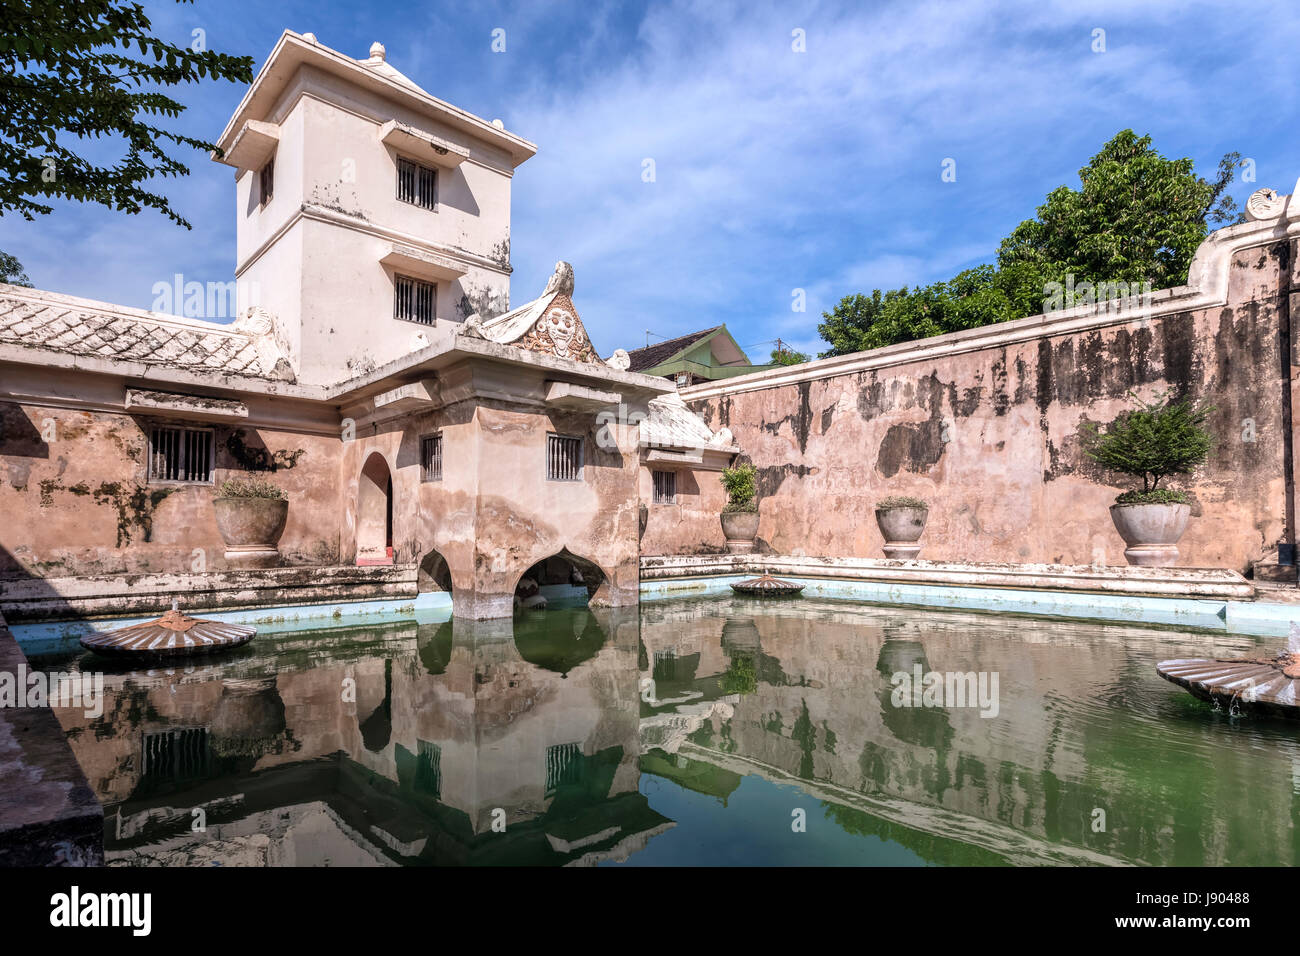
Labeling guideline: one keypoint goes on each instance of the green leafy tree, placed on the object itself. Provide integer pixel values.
(71, 72)
(741, 484)
(1153, 441)
(12, 272)
(1137, 217)
(784, 356)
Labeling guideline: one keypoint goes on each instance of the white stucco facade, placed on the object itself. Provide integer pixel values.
(321, 254)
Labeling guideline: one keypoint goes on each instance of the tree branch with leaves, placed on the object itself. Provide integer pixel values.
(75, 72)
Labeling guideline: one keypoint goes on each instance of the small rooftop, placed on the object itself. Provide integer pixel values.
(660, 352)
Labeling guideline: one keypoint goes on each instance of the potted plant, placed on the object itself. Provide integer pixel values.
(251, 513)
(901, 520)
(1153, 441)
(740, 516)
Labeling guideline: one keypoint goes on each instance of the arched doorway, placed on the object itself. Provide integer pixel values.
(375, 512)
(563, 580)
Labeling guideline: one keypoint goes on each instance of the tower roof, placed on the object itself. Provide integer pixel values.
(373, 73)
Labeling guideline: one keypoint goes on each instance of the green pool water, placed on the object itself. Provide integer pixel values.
(709, 731)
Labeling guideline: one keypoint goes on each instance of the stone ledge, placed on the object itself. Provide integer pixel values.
(1212, 583)
(51, 599)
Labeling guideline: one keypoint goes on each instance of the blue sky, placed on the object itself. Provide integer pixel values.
(775, 170)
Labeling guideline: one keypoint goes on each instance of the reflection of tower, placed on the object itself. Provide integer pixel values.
(540, 755)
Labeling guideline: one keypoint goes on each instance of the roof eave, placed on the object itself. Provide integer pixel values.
(271, 80)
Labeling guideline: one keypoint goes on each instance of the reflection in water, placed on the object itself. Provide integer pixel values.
(678, 734)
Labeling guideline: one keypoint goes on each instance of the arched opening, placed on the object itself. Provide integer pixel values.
(563, 580)
(434, 574)
(375, 512)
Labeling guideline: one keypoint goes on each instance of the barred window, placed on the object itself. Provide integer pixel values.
(665, 665)
(428, 769)
(563, 458)
(563, 766)
(431, 457)
(175, 754)
(266, 182)
(415, 184)
(665, 487)
(180, 454)
(415, 301)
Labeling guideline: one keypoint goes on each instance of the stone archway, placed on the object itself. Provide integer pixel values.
(375, 512)
(562, 568)
(434, 574)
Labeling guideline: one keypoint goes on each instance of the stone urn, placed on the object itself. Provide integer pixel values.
(251, 529)
(1151, 532)
(901, 526)
(740, 529)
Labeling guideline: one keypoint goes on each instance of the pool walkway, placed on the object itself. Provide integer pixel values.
(46, 614)
(1211, 599)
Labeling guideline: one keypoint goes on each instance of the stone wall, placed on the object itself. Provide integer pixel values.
(985, 425)
(76, 500)
(692, 517)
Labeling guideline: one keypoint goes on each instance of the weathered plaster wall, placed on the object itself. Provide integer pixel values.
(493, 514)
(990, 438)
(75, 499)
(692, 517)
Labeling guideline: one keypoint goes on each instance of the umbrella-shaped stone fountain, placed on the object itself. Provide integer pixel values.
(1264, 684)
(767, 586)
(175, 634)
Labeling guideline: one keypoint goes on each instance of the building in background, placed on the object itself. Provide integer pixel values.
(704, 356)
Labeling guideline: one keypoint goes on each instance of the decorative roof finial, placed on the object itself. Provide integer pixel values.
(377, 51)
(561, 280)
(1264, 204)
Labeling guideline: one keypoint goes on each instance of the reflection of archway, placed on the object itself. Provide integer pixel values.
(375, 512)
(562, 576)
(559, 641)
(434, 574)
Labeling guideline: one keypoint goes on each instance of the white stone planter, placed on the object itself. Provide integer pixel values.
(740, 528)
(1151, 532)
(901, 528)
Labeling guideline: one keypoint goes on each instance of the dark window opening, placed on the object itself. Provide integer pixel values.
(388, 519)
(665, 483)
(417, 184)
(180, 454)
(563, 458)
(431, 457)
(266, 182)
(415, 300)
